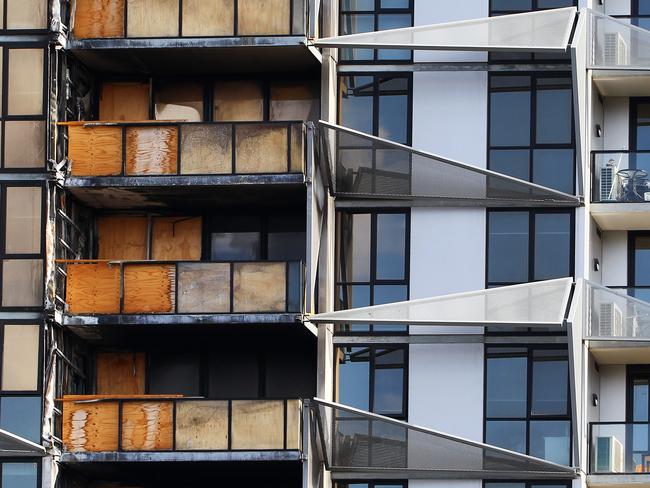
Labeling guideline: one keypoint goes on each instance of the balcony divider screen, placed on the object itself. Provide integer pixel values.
(542, 31)
(363, 166)
(373, 446)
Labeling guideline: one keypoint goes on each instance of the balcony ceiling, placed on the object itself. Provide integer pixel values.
(622, 84)
(542, 31)
(621, 216)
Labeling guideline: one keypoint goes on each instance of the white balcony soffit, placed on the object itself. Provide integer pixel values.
(539, 304)
(12, 445)
(360, 444)
(542, 31)
(363, 166)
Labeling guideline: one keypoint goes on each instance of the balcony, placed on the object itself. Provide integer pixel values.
(619, 454)
(230, 29)
(621, 189)
(172, 428)
(126, 292)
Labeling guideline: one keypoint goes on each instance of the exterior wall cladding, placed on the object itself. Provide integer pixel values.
(223, 222)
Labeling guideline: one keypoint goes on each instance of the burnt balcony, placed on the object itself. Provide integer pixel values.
(620, 192)
(116, 292)
(175, 428)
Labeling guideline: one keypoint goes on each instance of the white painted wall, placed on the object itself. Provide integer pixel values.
(617, 123)
(593, 387)
(614, 262)
(439, 11)
(446, 388)
(612, 393)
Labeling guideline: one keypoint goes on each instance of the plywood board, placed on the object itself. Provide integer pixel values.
(25, 82)
(90, 427)
(124, 101)
(122, 238)
(152, 18)
(93, 288)
(179, 101)
(261, 148)
(120, 373)
(95, 151)
(293, 100)
(98, 19)
(204, 288)
(24, 144)
(298, 148)
(176, 238)
(208, 18)
(147, 426)
(294, 420)
(201, 425)
(151, 150)
(23, 219)
(237, 101)
(263, 17)
(20, 357)
(22, 283)
(257, 424)
(149, 288)
(27, 14)
(206, 149)
(259, 287)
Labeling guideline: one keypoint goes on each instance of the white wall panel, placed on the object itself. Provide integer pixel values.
(614, 262)
(617, 123)
(612, 393)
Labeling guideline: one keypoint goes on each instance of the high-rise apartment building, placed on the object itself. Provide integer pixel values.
(325, 243)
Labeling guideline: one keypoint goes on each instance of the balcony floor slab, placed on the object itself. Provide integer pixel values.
(177, 456)
(618, 480)
(621, 216)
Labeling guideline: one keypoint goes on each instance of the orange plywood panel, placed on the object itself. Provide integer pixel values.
(149, 288)
(147, 426)
(151, 150)
(93, 288)
(98, 19)
(90, 427)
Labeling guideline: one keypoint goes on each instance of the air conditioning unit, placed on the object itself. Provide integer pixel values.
(609, 456)
(615, 52)
(610, 321)
(607, 176)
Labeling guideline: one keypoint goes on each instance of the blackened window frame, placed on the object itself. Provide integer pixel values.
(340, 285)
(532, 143)
(372, 367)
(534, 8)
(376, 12)
(529, 392)
(532, 213)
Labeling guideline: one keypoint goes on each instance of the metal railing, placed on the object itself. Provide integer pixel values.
(100, 287)
(638, 292)
(619, 448)
(620, 176)
(108, 423)
(160, 148)
(615, 315)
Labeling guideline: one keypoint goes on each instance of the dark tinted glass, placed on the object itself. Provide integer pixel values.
(389, 391)
(391, 246)
(550, 440)
(642, 6)
(508, 247)
(356, 102)
(506, 386)
(233, 374)
(354, 244)
(394, 3)
(550, 383)
(289, 375)
(642, 124)
(236, 246)
(393, 109)
(19, 475)
(554, 3)
(641, 401)
(554, 112)
(393, 21)
(286, 246)
(517, 5)
(174, 374)
(354, 377)
(354, 24)
(552, 246)
(507, 434)
(642, 260)
(356, 5)
(510, 118)
(553, 168)
(21, 416)
(511, 162)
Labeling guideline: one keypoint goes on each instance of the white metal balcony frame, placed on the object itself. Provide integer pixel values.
(12, 445)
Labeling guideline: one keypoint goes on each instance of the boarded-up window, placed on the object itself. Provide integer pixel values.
(238, 101)
(25, 144)
(27, 14)
(98, 18)
(23, 220)
(120, 373)
(263, 17)
(208, 18)
(176, 239)
(22, 283)
(293, 101)
(25, 88)
(124, 101)
(20, 357)
(122, 238)
(179, 101)
(152, 18)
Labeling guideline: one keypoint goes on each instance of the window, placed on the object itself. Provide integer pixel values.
(20, 474)
(372, 262)
(527, 406)
(23, 116)
(179, 101)
(20, 400)
(529, 245)
(531, 133)
(22, 249)
(377, 104)
(371, 484)
(641, 13)
(373, 15)
(639, 265)
(372, 378)
(529, 484)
